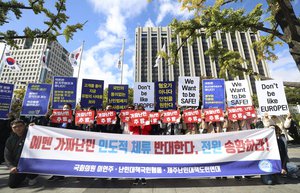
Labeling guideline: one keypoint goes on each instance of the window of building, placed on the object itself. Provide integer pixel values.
(196, 59)
(206, 57)
(186, 62)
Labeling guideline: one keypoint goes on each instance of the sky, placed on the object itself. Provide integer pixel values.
(110, 21)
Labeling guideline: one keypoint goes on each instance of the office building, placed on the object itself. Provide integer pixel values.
(192, 61)
(29, 56)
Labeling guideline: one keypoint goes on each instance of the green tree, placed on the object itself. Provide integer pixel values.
(53, 24)
(130, 96)
(284, 28)
(255, 100)
(292, 95)
(105, 97)
(17, 102)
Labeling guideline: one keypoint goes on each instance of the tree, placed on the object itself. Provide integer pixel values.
(53, 23)
(292, 95)
(17, 102)
(105, 97)
(284, 28)
(130, 96)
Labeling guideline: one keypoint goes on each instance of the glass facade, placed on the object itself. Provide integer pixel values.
(190, 56)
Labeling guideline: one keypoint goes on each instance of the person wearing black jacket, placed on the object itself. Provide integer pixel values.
(12, 154)
(291, 126)
(5, 131)
(113, 127)
(67, 106)
(275, 178)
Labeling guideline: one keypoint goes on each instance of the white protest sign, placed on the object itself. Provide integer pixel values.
(238, 93)
(188, 91)
(271, 97)
(144, 94)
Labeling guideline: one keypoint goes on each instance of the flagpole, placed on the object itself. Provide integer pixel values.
(160, 66)
(164, 49)
(123, 50)
(80, 60)
(44, 66)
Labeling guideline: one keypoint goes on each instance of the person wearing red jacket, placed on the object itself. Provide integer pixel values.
(140, 130)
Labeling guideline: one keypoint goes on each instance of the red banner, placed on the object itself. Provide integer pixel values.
(241, 113)
(213, 115)
(154, 118)
(125, 115)
(139, 118)
(84, 117)
(236, 113)
(192, 116)
(106, 117)
(61, 116)
(250, 111)
(171, 116)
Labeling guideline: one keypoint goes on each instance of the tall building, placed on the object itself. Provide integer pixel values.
(192, 60)
(29, 55)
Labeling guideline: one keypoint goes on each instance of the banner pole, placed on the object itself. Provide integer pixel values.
(122, 60)
(78, 73)
(80, 60)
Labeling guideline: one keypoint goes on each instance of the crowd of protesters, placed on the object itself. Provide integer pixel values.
(13, 133)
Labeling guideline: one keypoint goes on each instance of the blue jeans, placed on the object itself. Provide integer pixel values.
(292, 168)
(270, 179)
(267, 179)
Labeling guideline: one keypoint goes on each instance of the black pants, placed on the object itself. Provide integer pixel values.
(4, 134)
(15, 179)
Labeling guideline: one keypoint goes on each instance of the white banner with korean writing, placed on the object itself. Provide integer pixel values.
(58, 151)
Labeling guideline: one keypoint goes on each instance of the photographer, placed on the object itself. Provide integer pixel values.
(291, 126)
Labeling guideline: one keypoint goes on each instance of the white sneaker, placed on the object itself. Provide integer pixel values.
(32, 182)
